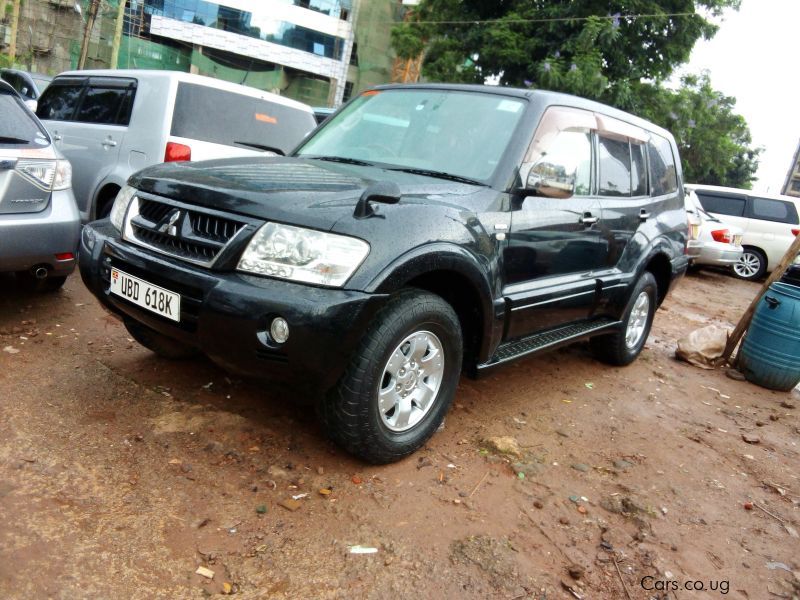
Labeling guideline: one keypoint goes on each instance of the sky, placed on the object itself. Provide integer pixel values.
(755, 57)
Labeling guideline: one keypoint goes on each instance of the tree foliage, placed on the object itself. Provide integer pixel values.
(619, 52)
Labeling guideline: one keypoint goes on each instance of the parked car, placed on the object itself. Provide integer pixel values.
(28, 85)
(39, 222)
(390, 250)
(770, 224)
(711, 241)
(110, 124)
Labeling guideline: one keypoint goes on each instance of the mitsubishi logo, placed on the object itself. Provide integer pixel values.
(167, 224)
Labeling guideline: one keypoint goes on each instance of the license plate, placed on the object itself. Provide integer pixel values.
(153, 298)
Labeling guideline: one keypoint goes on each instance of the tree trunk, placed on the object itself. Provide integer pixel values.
(87, 32)
(118, 34)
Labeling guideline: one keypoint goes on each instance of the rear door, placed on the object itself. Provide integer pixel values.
(637, 181)
(88, 118)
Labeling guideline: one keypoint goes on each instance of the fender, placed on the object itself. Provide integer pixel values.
(478, 271)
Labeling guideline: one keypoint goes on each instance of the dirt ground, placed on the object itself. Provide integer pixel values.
(121, 474)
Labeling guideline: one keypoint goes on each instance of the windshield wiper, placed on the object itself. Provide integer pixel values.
(261, 147)
(437, 174)
(342, 159)
(12, 140)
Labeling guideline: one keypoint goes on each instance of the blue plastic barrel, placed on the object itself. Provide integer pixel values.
(770, 355)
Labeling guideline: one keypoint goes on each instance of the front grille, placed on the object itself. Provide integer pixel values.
(191, 234)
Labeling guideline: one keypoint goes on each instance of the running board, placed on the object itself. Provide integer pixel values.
(537, 342)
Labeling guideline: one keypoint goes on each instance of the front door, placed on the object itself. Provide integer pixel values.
(554, 244)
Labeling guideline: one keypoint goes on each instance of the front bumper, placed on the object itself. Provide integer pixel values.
(227, 314)
(29, 240)
(717, 254)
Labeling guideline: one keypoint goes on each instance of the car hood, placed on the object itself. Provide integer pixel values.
(306, 192)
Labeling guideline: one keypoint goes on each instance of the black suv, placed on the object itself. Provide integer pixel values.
(420, 231)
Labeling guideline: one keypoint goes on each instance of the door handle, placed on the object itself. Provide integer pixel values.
(589, 219)
(57, 137)
(644, 215)
(109, 143)
(772, 302)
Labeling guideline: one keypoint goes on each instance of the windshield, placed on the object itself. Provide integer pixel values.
(457, 133)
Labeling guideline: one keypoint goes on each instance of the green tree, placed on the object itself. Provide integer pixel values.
(619, 52)
(713, 140)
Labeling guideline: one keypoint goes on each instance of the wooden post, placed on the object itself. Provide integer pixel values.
(87, 32)
(118, 34)
(12, 45)
(744, 322)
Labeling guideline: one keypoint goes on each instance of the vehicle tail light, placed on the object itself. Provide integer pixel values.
(722, 235)
(65, 256)
(177, 152)
(795, 231)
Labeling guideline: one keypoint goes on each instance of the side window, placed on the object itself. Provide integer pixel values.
(614, 173)
(638, 170)
(663, 173)
(104, 105)
(561, 151)
(58, 103)
(774, 210)
(732, 206)
(566, 158)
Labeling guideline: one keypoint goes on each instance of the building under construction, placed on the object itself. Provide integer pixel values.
(316, 51)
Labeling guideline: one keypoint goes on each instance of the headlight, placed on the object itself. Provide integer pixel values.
(63, 177)
(303, 255)
(121, 203)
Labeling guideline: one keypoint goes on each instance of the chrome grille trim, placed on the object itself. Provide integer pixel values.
(188, 233)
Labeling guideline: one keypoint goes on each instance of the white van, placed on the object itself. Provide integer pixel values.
(770, 224)
(111, 123)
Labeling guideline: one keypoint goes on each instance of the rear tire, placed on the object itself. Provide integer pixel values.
(752, 265)
(623, 346)
(400, 382)
(159, 344)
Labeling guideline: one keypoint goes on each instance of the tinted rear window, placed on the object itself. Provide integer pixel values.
(615, 167)
(17, 127)
(663, 173)
(774, 210)
(222, 117)
(732, 206)
(110, 106)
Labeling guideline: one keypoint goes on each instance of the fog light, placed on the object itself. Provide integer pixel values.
(89, 238)
(279, 330)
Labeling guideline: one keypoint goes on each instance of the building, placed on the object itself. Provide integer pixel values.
(792, 185)
(316, 51)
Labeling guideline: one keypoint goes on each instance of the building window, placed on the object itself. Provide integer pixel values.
(348, 91)
(255, 24)
(796, 185)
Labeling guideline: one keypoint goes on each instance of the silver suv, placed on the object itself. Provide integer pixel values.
(112, 123)
(39, 221)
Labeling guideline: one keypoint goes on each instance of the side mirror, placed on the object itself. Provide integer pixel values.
(548, 179)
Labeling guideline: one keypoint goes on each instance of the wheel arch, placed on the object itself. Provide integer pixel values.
(456, 276)
(660, 266)
(104, 196)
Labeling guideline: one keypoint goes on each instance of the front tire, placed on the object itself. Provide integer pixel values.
(752, 265)
(623, 346)
(158, 343)
(400, 382)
